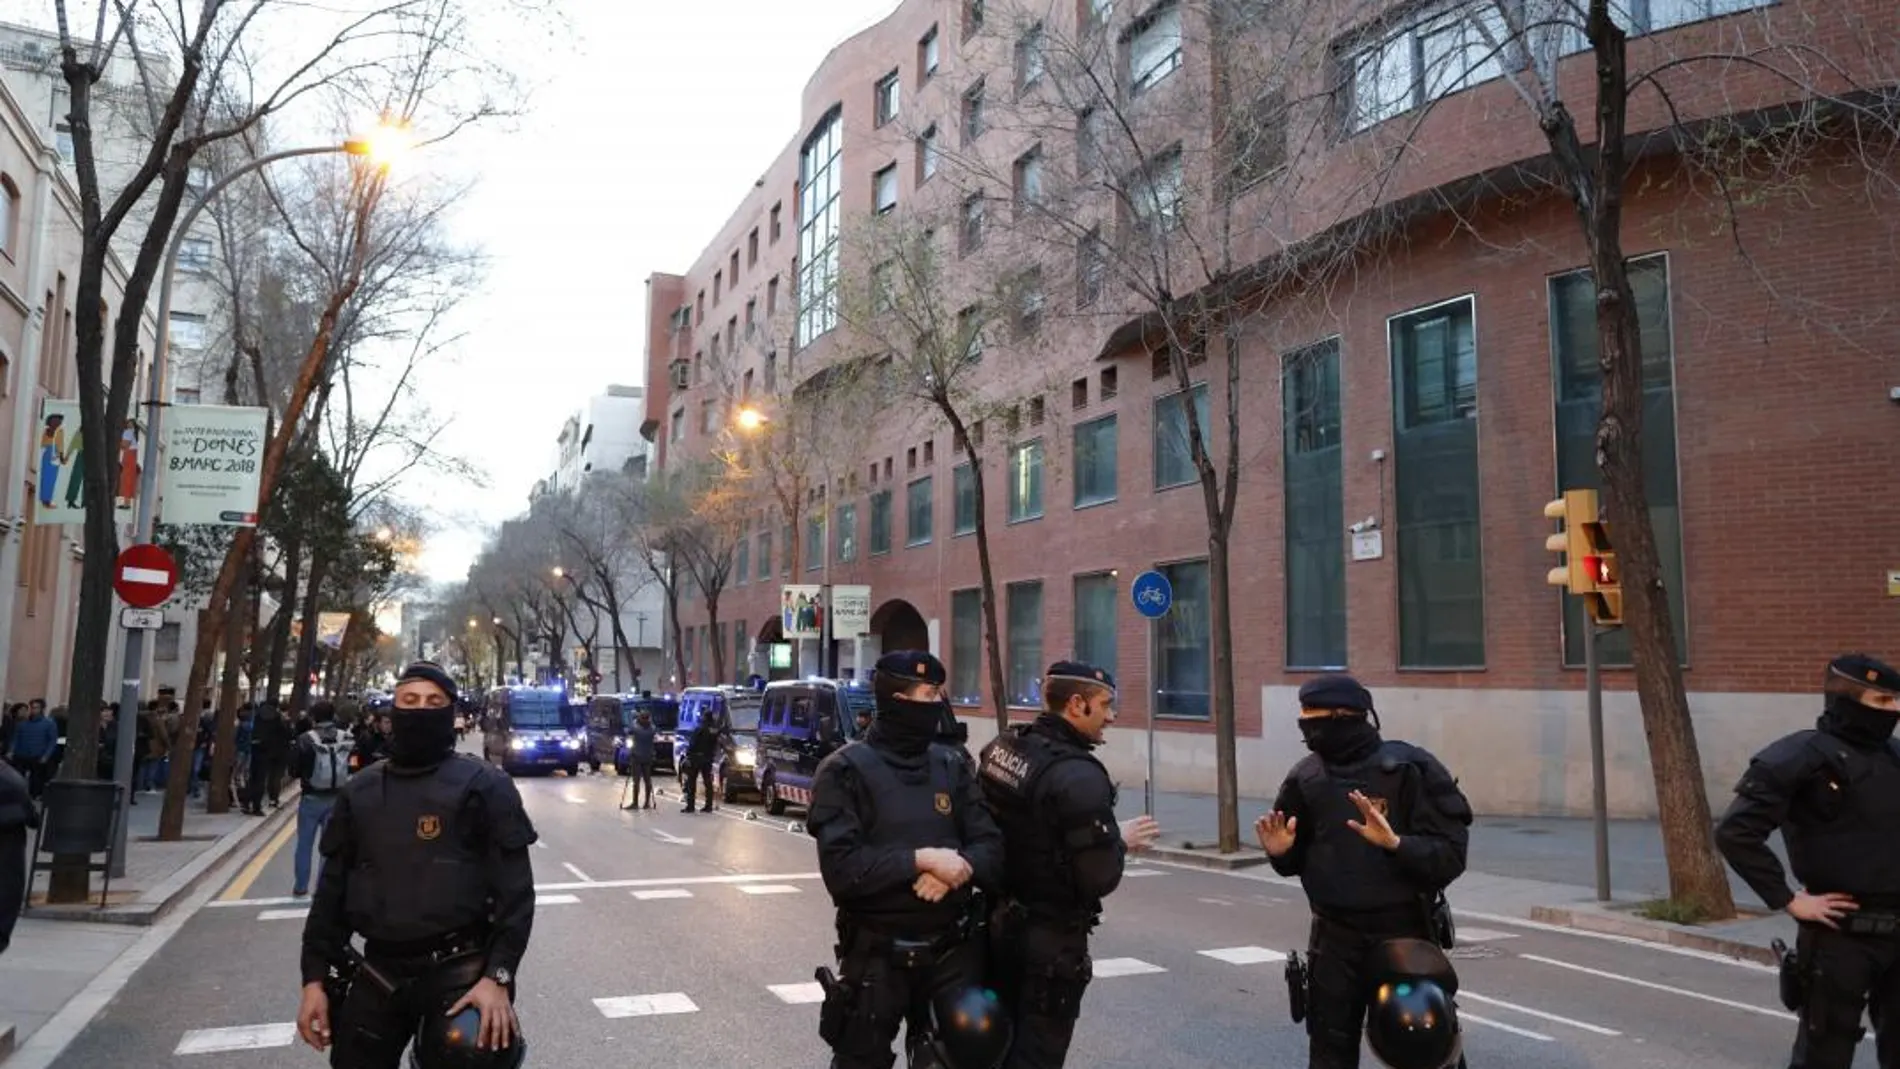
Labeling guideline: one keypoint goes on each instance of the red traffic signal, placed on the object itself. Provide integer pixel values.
(1601, 570)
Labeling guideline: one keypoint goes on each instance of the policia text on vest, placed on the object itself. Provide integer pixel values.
(1375, 830)
(1064, 854)
(425, 856)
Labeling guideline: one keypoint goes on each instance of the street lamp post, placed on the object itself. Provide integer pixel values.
(145, 523)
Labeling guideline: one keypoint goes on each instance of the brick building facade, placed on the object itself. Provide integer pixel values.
(1429, 401)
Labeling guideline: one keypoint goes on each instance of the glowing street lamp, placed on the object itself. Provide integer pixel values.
(750, 419)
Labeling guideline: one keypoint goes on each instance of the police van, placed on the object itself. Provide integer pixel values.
(738, 765)
(527, 728)
(803, 722)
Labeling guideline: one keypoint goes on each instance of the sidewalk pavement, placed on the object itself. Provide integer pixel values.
(58, 951)
(1530, 868)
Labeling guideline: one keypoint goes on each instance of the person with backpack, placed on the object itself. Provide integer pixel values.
(321, 761)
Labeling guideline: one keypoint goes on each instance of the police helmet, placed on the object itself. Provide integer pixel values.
(1412, 1022)
(449, 1043)
(969, 1031)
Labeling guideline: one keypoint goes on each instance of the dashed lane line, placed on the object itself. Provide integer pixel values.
(662, 893)
(578, 874)
(645, 1005)
(1502, 1027)
(798, 994)
(284, 914)
(246, 1037)
(1466, 993)
(1745, 1007)
(595, 885)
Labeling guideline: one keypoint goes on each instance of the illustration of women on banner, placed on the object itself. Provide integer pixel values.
(128, 464)
(52, 456)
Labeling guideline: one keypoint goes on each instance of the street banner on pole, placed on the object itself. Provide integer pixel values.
(801, 612)
(331, 627)
(850, 611)
(59, 461)
(213, 466)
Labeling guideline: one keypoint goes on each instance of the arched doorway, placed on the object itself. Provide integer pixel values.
(899, 626)
(770, 647)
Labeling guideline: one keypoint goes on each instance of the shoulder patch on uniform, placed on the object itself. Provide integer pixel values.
(943, 803)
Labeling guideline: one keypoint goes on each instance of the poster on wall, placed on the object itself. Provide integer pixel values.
(801, 612)
(214, 465)
(59, 466)
(850, 611)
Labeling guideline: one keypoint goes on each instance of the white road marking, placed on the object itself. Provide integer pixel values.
(645, 1005)
(543, 844)
(556, 900)
(1244, 955)
(247, 1037)
(1606, 937)
(798, 994)
(1511, 1028)
(662, 892)
(256, 902)
(1654, 986)
(1216, 901)
(768, 888)
(1110, 967)
(574, 799)
(1482, 935)
(1528, 1012)
(578, 874)
(283, 914)
(1142, 872)
(676, 840)
(597, 885)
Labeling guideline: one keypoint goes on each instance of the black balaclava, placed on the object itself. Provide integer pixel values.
(904, 726)
(423, 738)
(1339, 739)
(1860, 697)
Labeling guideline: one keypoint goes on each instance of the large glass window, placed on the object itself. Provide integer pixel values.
(1183, 656)
(1315, 510)
(847, 534)
(966, 646)
(1154, 49)
(765, 555)
(1025, 481)
(1435, 452)
(1095, 443)
(820, 214)
(1025, 643)
(918, 500)
(963, 505)
(1174, 458)
(1095, 599)
(742, 562)
(1579, 391)
(814, 542)
(880, 522)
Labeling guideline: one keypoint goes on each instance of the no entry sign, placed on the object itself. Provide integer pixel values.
(145, 576)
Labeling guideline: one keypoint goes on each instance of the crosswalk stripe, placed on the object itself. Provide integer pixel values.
(1244, 955)
(798, 994)
(645, 1005)
(768, 888)
(1108, 967)
(1483, 935)
(662, 892)
(1142, 872)
(556, 900)
(245, 1037)
(283, 914)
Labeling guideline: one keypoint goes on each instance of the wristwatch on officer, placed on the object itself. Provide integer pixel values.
(501, 975)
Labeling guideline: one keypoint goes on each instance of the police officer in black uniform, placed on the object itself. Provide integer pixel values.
(904, 841)
(1835, 794)
(708, 741)
(1375, 830)
(425, 856)
(1064, 853)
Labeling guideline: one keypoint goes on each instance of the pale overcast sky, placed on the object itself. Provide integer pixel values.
(640, 142)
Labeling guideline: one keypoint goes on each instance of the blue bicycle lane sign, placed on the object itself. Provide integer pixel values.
(1153, 594)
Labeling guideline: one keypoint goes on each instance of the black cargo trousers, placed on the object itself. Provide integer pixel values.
(1041, 969)
(373, 1026)
(1339, 985)
(1842, 973)
(885, 980)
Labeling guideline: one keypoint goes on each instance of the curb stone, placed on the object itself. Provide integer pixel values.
(1676, 935)
(1209, 859)
(152, 906)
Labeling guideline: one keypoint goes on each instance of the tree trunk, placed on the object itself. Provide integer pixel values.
(794, 548)
(280, 629)
(992, 644)
(673, 618)
(257, 649)
(307, 646)
(1696, 876)
(227, 691)
(719, 654)
(1226, 767)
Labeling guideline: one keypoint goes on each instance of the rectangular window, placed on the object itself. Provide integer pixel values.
(752, 247)
(973, 126)
(1155, 194)
(1315, 509)
(1024, 606)
(887, 98)
(918, 500)
(972, 17)
(963, 493)
(1029, 303)
(819, 223)
(814, 543)
(165, 642)
(1095, 461)
(1091, 268)
(966, 647)
(1154, 48)
(708, 416)
(1435, 454)
(194, 254)
(1183, 660)
(187, 330)
(676, 429)
(1256, 141)
(970, 234)
(884, 189)
(927, 56)
(1028, 179)
(847, 534)
(771, 297)
(929, 154)
(1025, 481)
(880, 522)
(1430, 58)
(1095, 599)
(719, 285)
(970, 328)
(1174, 457)
(1030, 60)
(777, 211)
(1579, 391)
(1091, 140)
(742, 562)
(765, 556)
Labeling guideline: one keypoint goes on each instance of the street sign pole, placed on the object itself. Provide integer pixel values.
(1153, 596)
(1599, 787)
(143, 577)
(1148, 790)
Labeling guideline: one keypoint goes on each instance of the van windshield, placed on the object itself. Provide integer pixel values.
(527, 709)
(744, 718)
(857, 700)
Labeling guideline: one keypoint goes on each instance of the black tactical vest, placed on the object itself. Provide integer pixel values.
(1844, 834)
(1036, 867)
(1343, 873)
(910, 809)
(418, 870)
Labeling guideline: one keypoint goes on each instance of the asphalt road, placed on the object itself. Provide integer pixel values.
(692, 940)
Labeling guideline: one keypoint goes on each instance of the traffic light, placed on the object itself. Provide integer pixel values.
(1590, 569)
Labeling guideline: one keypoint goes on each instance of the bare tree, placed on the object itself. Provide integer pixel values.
(605, 555)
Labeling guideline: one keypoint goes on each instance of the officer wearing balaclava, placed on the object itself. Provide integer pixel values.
(904, 841)
(1834, 792)
(426, 857)
(1375, 829)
